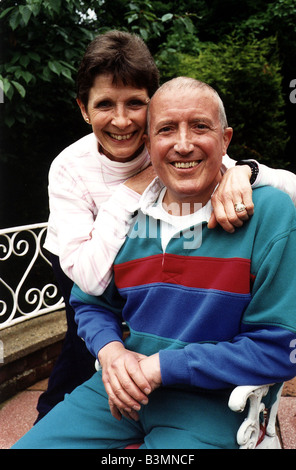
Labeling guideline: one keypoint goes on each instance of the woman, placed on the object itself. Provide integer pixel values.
(116, 78)
(93, 193)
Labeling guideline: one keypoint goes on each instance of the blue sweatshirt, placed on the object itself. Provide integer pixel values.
(221, 313)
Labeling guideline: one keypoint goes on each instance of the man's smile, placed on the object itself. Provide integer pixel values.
(186, 164)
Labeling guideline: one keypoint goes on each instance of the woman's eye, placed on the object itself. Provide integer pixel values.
(136, 103)
(104, 104)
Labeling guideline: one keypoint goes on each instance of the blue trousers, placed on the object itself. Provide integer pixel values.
(173, 419)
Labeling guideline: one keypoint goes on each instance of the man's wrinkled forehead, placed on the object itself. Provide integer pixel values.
(165, 106)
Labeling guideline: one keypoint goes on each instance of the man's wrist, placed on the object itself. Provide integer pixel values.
(108, 349)
(253, 165)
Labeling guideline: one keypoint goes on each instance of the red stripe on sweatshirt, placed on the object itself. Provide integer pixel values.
(225, 274)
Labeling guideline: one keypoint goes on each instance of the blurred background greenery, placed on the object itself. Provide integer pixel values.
(245, 49)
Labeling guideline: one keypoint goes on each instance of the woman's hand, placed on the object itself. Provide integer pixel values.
(124, 381)
(234, 188)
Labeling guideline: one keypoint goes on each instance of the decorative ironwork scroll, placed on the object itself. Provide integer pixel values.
(27, 284)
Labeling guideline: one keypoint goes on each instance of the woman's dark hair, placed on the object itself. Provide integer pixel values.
(123, 55)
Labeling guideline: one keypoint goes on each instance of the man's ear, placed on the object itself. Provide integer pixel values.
(228, 133)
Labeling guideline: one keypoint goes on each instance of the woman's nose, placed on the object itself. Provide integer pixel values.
(121, 118)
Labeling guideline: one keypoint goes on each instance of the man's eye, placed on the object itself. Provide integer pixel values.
(165, 129)
(201, 126)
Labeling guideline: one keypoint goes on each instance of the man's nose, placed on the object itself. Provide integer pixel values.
(183, 145)
(120, 117)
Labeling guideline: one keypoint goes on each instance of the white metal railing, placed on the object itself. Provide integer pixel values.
(27, 285)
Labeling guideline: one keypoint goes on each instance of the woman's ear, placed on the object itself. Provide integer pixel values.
(83, 110)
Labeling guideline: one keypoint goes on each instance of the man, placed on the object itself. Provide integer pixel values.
(206, 310)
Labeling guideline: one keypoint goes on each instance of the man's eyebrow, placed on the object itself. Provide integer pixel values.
(197, 120)
(164, 122)
(203, 120)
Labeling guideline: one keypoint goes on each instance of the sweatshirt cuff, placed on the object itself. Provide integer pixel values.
(173, 367)
(263, 178)
(102, 340)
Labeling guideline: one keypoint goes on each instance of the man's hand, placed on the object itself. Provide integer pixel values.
(150, 367)
(234, 188)
(124, 381)
(140, 181)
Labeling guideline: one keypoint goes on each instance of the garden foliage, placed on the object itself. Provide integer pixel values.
(246, 50)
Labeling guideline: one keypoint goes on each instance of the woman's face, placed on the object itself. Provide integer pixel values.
(118, 116)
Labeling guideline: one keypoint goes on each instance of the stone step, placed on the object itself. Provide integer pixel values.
(30, 349)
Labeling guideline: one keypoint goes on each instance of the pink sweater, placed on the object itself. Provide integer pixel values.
(81, 231)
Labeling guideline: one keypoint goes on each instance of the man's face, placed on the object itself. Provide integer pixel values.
(187, 143)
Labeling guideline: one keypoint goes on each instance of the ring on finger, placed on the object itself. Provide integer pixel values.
(239, 207)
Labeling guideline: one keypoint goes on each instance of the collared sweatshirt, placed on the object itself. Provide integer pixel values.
(91, 209)
(219, 308)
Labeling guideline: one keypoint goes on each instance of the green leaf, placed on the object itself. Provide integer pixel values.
(55, 67)
(15, 57)
(34, 56)
(4, 12)
(68, 66)
(67, 73)
(24, 60)
(15, 19)
(53, 6)
(9, 121)
(46, 75)
(132, 18)
(34, 6)
(167, 17)
(7, 88)
(25, 14)
(27, 76)
(144, 34)
(188, 24)
(19, 88)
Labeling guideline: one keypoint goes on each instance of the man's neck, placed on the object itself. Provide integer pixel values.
(181, 208)
(185, 204)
